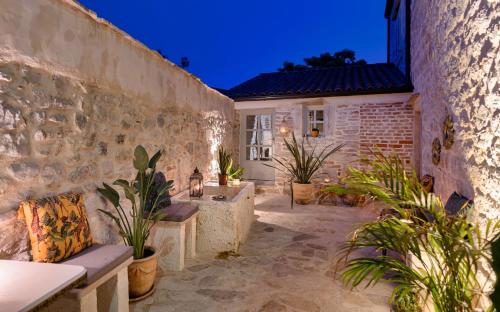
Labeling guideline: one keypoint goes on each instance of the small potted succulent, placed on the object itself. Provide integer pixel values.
(235, 173)
(225, 162)
(135, 225)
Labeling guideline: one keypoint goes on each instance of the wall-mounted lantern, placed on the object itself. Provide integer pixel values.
(284, 127)
(196, 184)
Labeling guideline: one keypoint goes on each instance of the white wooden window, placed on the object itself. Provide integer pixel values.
(314, 118)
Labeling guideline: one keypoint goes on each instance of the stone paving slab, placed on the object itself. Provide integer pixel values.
(287, 264)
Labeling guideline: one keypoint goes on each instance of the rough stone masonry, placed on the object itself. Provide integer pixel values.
(76, 97)
(455, 60)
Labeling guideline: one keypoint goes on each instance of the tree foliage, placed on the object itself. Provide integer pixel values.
(324, 60)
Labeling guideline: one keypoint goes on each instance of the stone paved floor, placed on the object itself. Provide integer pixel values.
(286, 265)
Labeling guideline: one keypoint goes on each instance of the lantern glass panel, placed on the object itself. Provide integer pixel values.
(196, 184)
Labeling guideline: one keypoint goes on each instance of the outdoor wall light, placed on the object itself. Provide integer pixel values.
(284, 126)
(196, 184)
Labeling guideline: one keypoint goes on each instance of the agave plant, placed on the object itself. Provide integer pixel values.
(225, 161)
(135, 227)
(305, 164)
(443, 253)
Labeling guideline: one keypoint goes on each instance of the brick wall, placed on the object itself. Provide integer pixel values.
(388, 127)
(361, 127)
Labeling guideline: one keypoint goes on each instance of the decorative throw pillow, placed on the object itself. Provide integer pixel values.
(57, 226)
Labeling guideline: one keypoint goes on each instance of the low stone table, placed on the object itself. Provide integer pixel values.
(27, 286)
(222, 225)
(174, 237)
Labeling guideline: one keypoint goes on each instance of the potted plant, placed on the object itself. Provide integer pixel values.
(135, 225)
(445, 255)
(302, 167)
(235, 173)
(225, 162)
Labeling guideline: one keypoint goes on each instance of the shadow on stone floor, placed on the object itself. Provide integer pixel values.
(287, 264)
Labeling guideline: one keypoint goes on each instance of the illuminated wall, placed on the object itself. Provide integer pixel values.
(455, 63)
(76, 96)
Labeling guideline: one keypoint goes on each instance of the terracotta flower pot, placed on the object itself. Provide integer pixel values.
(223, 179)
(142, 273)
(303, 194)
(315, 133)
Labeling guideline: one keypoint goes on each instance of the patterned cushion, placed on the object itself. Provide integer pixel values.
(58, 226)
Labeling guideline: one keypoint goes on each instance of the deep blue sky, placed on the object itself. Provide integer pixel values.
(230, 41)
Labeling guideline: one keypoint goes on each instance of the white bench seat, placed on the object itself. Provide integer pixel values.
(106, 285)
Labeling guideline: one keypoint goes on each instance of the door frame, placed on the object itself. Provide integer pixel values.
(242, 146)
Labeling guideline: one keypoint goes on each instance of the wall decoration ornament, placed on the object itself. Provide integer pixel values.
(448, 132)
(436, 151)
(427, 182)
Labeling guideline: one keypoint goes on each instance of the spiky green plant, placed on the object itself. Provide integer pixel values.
(304, 164)
(235, 172)
(135, 227)
(443, 253)
(225, 161)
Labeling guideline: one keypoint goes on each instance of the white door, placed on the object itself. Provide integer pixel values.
(256, 144)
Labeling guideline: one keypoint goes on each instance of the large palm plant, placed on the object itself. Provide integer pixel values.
(442, 254)
(135, 227)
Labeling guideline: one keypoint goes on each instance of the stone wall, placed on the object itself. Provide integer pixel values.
(364, 126)
(455, 60)
(76, 96)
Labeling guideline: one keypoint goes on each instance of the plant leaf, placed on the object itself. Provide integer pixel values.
(154, 160)
(110, 194)
(140, 158)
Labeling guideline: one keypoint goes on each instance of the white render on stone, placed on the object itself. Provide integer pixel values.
(174, 242)
(455, 65)
(77, 95)
(361, 123)
(222, 225)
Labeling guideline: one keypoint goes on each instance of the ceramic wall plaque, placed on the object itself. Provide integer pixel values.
(448, 132)
(436, 151)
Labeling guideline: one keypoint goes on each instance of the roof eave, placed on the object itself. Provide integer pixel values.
(317, 95)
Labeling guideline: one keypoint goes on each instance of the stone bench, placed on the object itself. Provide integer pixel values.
(105, 287)
(174, 237)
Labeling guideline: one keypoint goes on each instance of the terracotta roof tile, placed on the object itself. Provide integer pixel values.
(333, 81)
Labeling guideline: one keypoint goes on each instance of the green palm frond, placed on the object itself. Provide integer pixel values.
(442, 253)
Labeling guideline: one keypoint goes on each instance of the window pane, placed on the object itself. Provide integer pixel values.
(320, 127)
(266, 122)
(311, 115)
(252, 153)
(251, 137)
(251, 122)
(266, 137)
(266, 153)
(319, 115)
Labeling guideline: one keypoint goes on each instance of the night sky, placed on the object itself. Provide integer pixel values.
(230, 41)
